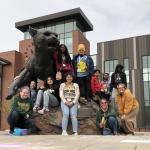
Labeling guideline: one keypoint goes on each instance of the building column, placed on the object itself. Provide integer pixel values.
(134, 65)
(103, 57)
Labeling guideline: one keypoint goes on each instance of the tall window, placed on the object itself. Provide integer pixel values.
(94, 59)
(126, 70)
(146, 79)
(110, 66)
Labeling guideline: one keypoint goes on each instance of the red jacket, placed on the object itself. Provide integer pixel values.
(96, 84)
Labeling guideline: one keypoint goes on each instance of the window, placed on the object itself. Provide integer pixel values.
(27, 35)
(110, 66)
(68, 26)
(68, 43)
(60, 28)
(94, 59)
(126, 70)
(146, 79)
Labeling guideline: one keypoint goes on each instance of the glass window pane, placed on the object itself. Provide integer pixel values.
(127, 79)
(111, 66)
(94, 59)
(49, 28)
(68, 35)
(145, 77)
(145, 70)
(147, 103)
(68, 43)
(53, 28)
(27, 35)
(115, 64)
(61, 36)
(62, 41)
(126, 64)
(60, 28)
(107, 66)
(148, 61)
(127, 72)
(145, 62)
(71, 55)
(68, 26)
(146, 91)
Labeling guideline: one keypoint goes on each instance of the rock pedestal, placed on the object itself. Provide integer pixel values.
(50, 123)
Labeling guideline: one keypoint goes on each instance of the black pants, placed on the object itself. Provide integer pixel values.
(85, 87)
(15, 119)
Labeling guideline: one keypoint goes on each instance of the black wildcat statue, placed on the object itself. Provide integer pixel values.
(41, 64)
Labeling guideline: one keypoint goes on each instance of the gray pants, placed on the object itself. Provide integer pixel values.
(49, 100)
(39, 98)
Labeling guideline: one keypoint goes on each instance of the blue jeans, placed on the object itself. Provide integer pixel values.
(72, 111)
(112, 127)
(15, 119)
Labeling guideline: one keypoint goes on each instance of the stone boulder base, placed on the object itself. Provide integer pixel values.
(50, 123)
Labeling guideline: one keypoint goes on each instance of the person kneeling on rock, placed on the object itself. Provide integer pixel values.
(106, 120)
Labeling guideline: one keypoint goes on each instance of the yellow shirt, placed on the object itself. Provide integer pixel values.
(126, 103)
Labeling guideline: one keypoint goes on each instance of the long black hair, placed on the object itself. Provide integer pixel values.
(66, 53)
(46, 84)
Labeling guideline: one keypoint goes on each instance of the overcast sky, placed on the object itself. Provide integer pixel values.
(112, 19)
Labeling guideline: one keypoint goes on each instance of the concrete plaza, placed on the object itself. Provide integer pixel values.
(80, 142)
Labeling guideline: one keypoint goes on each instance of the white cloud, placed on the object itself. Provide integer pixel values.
(111, 19)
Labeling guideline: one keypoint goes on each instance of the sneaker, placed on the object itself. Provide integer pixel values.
(82, 100)
(64, 132)
(35, 108)
(43, 110)
(75, 133)
(11, 132)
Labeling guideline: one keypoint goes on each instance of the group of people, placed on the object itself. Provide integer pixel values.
(118, 106)
(77, 82)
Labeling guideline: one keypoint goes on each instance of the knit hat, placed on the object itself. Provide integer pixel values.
(81, 47)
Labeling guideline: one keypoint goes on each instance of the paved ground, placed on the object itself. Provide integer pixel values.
(80, 142)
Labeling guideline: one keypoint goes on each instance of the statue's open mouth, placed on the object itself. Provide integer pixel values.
(50, 45)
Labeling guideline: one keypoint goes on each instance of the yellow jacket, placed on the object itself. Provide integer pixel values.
(126, 103)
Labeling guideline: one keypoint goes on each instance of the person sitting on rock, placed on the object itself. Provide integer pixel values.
(49, 96)
(106, 120)
(96, 85)
(39, 99)
(128, 108)
(69, 94)
(33, 90)
(21, 111)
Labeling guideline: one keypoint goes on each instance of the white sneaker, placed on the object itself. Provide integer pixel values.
(75, 133)
(35, 108)
(43, 110)
(64, 132)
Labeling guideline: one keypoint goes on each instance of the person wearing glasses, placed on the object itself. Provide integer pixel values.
(106, 120)
(128, 108)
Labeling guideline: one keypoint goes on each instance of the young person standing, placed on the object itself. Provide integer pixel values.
(69, 94)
